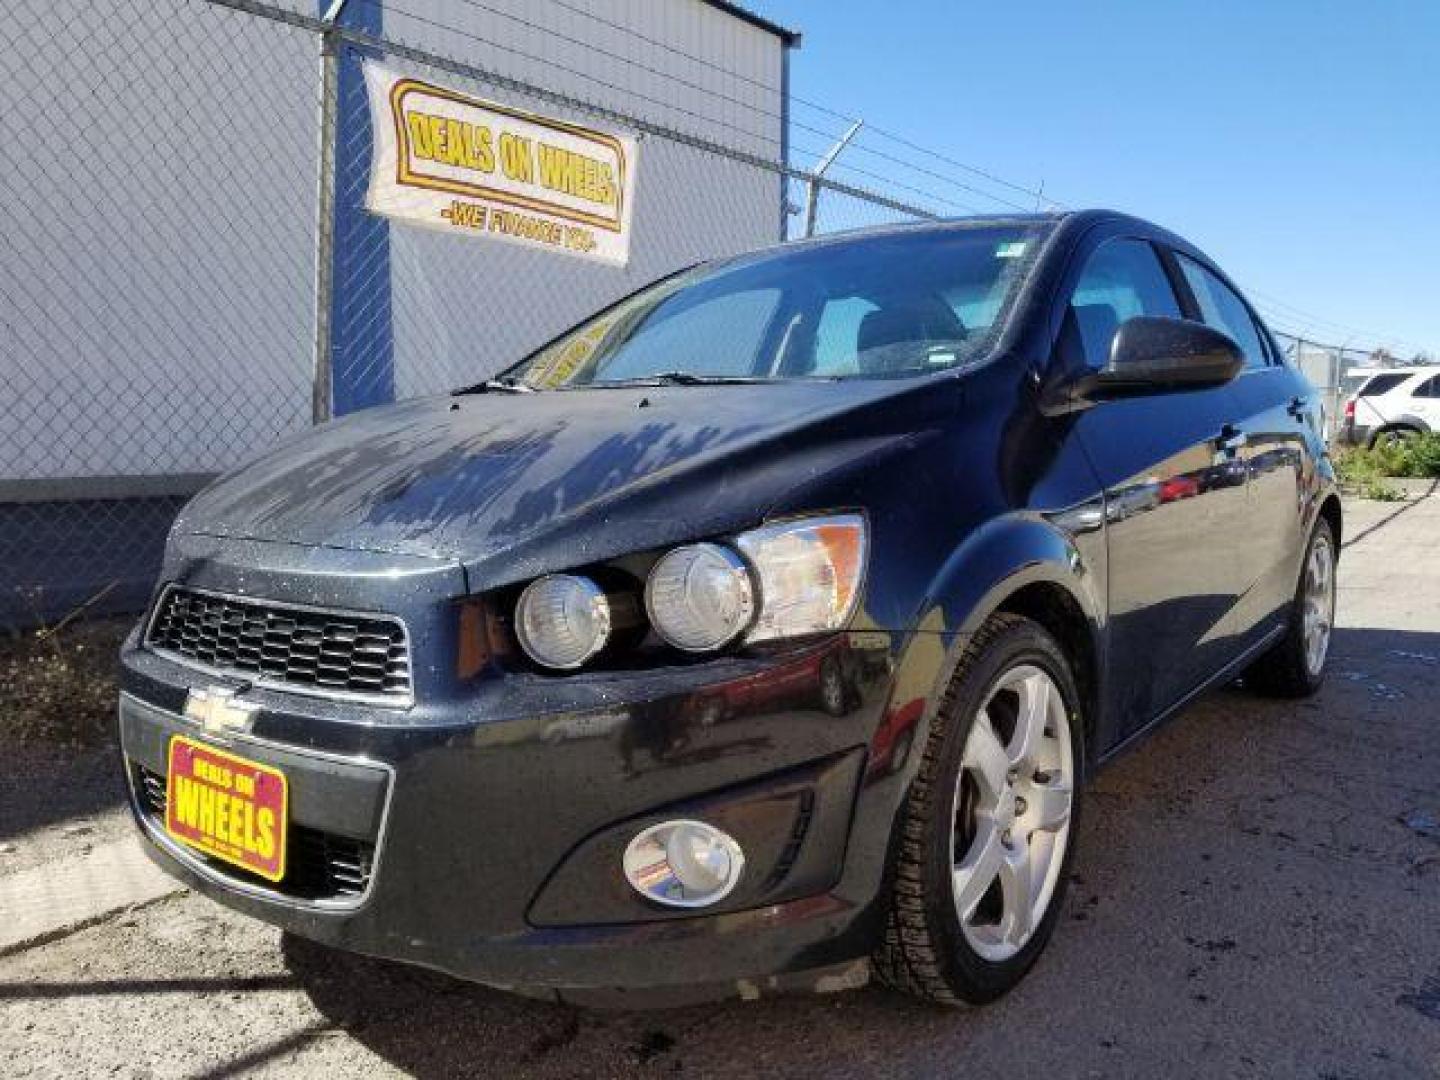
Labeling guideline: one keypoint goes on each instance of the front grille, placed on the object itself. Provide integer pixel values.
(318, 865)
(323, 651)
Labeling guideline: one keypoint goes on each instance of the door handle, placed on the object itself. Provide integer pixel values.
(1231, 440)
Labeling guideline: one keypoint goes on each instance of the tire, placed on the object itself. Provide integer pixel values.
(833, 694)
(1389, 435)
(951, 821)
(1290, 669)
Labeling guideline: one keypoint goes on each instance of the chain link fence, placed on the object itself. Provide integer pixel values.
(156, 292)
(187, 245)
(1329, 367)
(191, 276)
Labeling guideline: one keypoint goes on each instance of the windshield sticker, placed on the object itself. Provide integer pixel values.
(1011, 249)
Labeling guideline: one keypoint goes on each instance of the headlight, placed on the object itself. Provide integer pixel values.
(809, 573)
(699, 597)
(562, 620)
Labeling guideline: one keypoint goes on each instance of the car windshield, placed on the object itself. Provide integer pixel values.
(888, 306)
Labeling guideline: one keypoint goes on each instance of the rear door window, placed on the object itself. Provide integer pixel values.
(1223, 309)
(1430, 388)
(1122, 279)
(1381, 384)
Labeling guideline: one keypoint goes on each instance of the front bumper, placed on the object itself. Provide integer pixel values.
(481, 838)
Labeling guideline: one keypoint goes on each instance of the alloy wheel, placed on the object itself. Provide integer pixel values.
(1318, 601)
(1013, 808)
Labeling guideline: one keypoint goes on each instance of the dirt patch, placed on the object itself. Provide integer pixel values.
(58, 687)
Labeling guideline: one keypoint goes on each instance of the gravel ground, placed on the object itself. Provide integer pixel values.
(60, 792)
(1257, 894)
(57, 685)
(57, 803)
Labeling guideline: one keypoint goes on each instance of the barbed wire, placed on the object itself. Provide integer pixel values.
(1280, 313)
(1285, 313)
(391, 8)
(797, 99)
(780, 117)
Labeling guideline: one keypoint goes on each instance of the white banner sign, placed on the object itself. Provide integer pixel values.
(449, 161)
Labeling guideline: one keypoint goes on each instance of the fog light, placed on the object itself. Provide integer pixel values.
(683, 863)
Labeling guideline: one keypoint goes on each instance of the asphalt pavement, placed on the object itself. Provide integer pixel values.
(1257, 894)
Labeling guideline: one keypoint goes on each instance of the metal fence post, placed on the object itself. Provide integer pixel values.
(812, 193)
(325, 217)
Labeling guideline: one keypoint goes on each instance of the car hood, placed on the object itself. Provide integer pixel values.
(515, 484)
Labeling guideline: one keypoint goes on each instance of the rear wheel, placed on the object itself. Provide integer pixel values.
(1295, 666)
(1391, 435)
(985, 838)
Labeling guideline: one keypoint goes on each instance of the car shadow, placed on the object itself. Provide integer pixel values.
(431, 1025)
(43, 786)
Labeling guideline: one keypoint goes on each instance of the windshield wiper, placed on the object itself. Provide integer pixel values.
(680, 378)
(505, 384)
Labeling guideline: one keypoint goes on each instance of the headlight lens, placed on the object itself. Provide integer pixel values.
(699, 597)
(809, 573)
(790, 579)
(562, 620)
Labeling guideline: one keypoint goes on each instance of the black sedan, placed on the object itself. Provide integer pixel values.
(769, 622)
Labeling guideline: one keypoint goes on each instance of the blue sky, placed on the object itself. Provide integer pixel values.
(1298, 143)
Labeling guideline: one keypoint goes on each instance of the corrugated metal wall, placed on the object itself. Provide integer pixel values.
(158, 207)
(463, 309)
(157, 287)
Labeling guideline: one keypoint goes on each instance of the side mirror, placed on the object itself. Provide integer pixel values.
(1149, 354)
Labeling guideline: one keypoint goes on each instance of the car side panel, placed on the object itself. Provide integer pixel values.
(1174, 499)
(1280, 418)
(1175, 505)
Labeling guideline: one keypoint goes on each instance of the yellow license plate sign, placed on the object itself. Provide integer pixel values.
(227, 806)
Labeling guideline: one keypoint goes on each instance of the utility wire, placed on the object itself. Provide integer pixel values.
(1309, 337)
(1286, 323)
(1319, 320)
(889, 181)
(391, 9)
(862, 148)
(632, 62)
(1310, 318)
(761, 110)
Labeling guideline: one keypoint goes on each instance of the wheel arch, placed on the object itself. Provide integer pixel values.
(1332, 511)
(1055, 608)
(1028, 567)
(1412, 424)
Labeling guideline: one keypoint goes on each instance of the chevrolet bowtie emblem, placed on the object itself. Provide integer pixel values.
(216, 708)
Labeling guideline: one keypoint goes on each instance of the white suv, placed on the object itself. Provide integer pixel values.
(1393, 403)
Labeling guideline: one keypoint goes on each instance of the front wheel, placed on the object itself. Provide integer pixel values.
(986, 836)
(1295, 665)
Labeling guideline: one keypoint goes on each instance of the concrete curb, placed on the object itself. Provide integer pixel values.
(50, 901)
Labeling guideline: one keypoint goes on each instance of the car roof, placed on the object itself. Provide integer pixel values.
(948, 224)
(937, 226)
(1075, 222)
(1409, 369)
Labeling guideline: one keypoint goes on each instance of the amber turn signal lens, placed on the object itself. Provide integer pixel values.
(809, 571)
